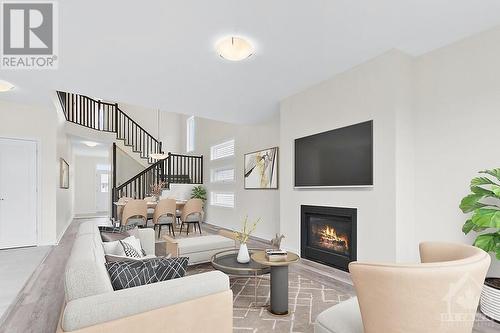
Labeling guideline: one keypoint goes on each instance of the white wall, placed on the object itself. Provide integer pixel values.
(255, 203)
(64, 197)
(457, 121)
(126, 167)
(371, 91)
(170, 125)
(38, 124)
(85, 183)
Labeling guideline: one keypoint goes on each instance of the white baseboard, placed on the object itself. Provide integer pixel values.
(59, 237)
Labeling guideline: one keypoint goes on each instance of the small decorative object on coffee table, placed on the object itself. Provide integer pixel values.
(243, 255)
(276, 255)
(279, 280)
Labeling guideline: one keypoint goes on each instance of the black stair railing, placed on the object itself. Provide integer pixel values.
(108, 117)
(175, 169)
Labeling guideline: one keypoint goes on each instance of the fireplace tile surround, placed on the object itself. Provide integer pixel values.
(328, 235)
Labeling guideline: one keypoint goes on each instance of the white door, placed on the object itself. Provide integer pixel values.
(102, 190)
(17, 193)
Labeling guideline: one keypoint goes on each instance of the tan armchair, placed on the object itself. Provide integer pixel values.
(440, 295)
(192, 214)
(165, 214)
(135, 210)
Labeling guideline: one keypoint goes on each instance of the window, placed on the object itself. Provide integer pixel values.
(222, 175)
(222, 150)
(190, 134)
(104, 183)
(222, 199)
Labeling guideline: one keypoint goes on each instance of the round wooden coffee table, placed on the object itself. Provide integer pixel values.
(279, 280)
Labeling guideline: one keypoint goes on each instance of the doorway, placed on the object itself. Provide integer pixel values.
(102, 182)
(18, 193)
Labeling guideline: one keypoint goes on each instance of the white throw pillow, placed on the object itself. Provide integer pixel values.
(113, 248)
(135, 243)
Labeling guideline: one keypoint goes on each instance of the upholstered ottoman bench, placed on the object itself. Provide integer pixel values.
(199, 249)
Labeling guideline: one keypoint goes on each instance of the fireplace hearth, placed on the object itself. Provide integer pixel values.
(328, 235)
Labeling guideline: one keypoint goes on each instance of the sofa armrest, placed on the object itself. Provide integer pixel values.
(97, 309)
(147, 237)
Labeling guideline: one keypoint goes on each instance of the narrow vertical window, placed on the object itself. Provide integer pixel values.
(190, 134)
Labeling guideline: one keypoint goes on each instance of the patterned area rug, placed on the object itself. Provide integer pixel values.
(307, 298)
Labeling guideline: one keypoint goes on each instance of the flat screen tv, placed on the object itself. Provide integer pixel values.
(341, 157)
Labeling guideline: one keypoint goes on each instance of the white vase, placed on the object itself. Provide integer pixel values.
(243, 255)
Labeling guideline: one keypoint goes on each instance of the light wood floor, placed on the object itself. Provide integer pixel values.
(16, 267)
(38, 305)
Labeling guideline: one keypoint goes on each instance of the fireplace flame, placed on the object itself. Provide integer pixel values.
(331, 238)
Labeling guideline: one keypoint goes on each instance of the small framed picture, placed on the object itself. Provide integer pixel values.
(64, 174)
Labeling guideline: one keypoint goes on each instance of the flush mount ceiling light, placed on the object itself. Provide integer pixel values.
(90, 143)
(234, 48)
(5, 86)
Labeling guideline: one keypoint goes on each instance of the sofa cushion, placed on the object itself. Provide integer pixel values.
(203, 243)
(344, 317)
(127, 274)
(85, 273)
(113, 248)
(132, 247)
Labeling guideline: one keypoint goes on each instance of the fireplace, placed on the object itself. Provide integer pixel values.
(328, 235)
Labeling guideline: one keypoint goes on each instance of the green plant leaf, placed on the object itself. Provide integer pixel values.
(487, 218)
(481, 190)
(493, 172)
(481, 181)
(468, 226)
(496, 190)
(486, 242)
(478, 228)
(498, 250)
(471, 202)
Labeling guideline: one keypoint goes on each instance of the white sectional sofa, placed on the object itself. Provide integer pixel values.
(197, 303)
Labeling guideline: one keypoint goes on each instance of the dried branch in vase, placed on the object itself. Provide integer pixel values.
(247, 230)
(156, 189)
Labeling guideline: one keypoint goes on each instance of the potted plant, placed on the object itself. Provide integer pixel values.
(484, 204)
(199, 192)
(242, 236)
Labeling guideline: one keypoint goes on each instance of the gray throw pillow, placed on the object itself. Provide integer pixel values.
(113, 234)
(134, 273)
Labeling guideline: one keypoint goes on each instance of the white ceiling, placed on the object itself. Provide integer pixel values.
(161, 53)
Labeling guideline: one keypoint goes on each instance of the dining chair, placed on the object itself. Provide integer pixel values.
(136, 212)
(192, 213)
(119, 208)
(150, 210)
(164, 214)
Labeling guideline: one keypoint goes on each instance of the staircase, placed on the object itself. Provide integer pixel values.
(108, 117)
